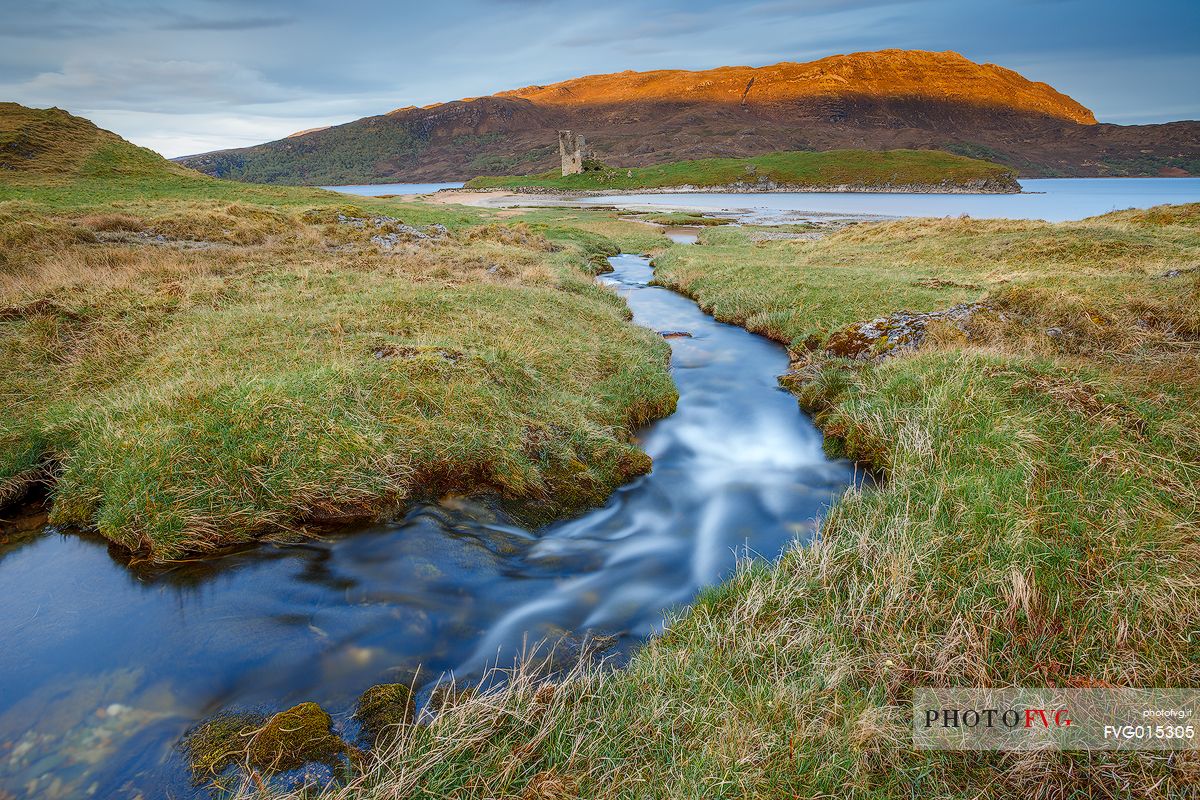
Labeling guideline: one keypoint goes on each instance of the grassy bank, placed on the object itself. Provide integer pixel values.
(1039, 524)
(192, 363)
(859, 168)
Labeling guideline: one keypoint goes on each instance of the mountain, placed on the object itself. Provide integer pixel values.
(890, 99)
(48, 145)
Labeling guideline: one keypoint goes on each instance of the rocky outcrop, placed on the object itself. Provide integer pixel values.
(882, 337)
(389, 233)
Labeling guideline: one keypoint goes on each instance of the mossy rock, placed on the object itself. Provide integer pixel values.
(287, 740)
(215, 744)
(293, 738)
(851, 342)
(384, 709)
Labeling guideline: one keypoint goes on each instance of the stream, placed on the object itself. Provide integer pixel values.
(105, 667)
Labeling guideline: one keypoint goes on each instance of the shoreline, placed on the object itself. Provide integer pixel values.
(915, 188)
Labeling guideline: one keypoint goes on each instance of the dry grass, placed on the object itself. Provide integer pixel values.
(1101, 274)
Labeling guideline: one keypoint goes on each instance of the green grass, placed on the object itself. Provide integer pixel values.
(684, 218)
(1038, 525)
(864, 168)
(287, 372)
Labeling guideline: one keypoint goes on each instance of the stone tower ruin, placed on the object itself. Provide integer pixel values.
(571, 147)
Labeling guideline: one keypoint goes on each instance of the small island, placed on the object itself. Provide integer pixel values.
(902, 171)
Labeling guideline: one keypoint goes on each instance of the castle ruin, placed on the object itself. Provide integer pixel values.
(571, 147)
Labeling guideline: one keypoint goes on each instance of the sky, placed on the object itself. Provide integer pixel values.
(187, 77)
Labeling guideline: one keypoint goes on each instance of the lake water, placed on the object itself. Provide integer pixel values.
(377, 189)
(1051, 199)
(104, 667)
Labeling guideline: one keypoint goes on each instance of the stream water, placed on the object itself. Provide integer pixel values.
(105, 667)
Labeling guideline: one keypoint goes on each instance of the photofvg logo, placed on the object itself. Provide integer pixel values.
(991, 717)
(1060, 719)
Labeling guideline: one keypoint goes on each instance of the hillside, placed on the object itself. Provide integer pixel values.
(847, 170)
(57, 159)
(49, 145)
(885, 100)
(888, 73)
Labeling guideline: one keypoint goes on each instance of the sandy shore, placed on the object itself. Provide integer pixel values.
(494, 199)
(509, 203)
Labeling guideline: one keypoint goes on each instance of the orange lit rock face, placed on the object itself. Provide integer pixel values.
(944, 77)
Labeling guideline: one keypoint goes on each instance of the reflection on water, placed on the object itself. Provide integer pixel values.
(683, 234)
(1051, 199)
(104, 667)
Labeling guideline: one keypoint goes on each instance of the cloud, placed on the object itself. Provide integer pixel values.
(138, 83)
(243, 24)
(179, 75)
(663, 27)
(188, 134)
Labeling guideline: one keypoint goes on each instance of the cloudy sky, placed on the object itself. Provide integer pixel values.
(185, 77)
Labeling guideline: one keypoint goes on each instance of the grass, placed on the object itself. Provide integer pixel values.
(1096, 277)
(1038, 524)
(194, 363)
(859, 168)
(684, 218)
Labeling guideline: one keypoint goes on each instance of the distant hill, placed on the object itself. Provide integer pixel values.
(49, 145)
(885, 100)
(848, 170)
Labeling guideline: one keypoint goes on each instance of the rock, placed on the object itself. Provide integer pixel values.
(904, 330)
(219, 741)
(391, 351)
(781, 236)
(292, 738)
(284, 741)
(675, 334)
(1175, 273)
(149, 237)
(385, 709)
